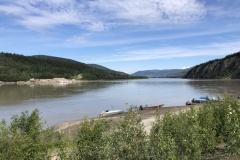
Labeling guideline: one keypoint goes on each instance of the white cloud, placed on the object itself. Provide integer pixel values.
(42, 14)
(99, 15)
(151, 12)
(185, 67)
(214, 49)
(46, 20)
(12, 9)
(83, 39)
(91, 40)
(223, 9)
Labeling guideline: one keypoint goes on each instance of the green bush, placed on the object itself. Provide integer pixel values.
(161, 144)
(196, 133)
(207, 124)
(90, 139)
(228, 112)
(101, 139)
(184, 130)
(25, 138)
(128, 140)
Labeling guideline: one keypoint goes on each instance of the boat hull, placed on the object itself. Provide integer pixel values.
(110, 112)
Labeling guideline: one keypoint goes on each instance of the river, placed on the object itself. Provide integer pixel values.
(71, 102)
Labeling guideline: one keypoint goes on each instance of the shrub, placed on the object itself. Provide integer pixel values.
(184, 129)
(229, 111)
(89, 139)
(161, 145)
(26, 139)
(127, 140)
(207, 130)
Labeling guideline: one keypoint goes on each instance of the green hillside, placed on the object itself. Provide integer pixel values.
(99, 67)
(228, 67)
(105, 69)
(15, 67)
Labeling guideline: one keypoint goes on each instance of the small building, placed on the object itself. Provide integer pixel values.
(79, 76)
(32, 80)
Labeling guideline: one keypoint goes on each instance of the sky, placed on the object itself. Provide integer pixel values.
(123, 35)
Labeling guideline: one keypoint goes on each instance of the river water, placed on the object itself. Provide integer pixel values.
(70, 102)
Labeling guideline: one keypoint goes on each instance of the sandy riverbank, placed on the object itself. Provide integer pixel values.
(147, 115)
(54, 81)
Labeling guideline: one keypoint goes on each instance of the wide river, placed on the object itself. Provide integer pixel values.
(71, 102)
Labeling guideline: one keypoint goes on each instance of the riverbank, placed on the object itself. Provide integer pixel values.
(147, 116)
(54, 81)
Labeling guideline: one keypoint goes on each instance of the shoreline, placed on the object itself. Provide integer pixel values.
(53, 81)
(147, 116)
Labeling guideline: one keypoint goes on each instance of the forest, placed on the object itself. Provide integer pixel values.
(15, 67)
(225, 68)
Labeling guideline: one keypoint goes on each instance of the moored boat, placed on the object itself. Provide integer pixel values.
(110, 112)
(201, 100)
(149, 107)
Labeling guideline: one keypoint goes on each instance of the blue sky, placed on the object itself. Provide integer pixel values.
(124, 35)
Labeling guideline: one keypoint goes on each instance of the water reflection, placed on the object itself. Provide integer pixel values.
(15, 94)
(217, 87)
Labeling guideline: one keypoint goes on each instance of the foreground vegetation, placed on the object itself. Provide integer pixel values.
(210, 132)
(15, 67)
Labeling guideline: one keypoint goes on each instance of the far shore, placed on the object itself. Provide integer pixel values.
(147, 115)
(54, 81)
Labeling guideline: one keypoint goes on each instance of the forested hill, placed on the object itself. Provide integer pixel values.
(228, 67)
(105, 68)
(15, 67)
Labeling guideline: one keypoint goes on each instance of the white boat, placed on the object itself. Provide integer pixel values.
(110, 112)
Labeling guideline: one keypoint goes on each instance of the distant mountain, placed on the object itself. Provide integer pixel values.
(228, 67)
(166, 73)
(15, 67)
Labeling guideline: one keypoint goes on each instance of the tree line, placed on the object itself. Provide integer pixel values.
(15, 67)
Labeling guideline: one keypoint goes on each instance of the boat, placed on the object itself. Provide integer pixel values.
(110, 112)
(201, 100)
(190, 103)
(152, 107)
